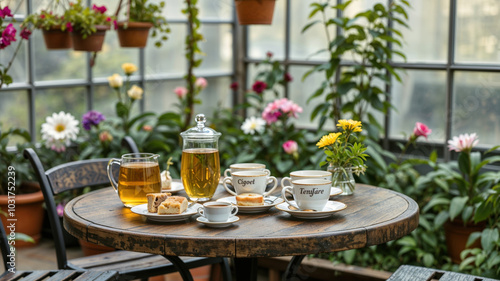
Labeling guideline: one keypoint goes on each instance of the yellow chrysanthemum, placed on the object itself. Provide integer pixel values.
(328, 139)
(350, 125)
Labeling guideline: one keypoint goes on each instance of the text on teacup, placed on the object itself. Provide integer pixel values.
(244, 182)
(311, 192)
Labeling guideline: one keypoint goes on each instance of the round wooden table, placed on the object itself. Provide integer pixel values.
(373, 216)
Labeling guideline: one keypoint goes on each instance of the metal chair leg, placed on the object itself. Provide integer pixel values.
(225, 270)
(181, 266)
(293, 266)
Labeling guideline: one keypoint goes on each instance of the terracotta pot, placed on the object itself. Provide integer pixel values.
(93, 42)
(457, 234)
(28, 213)
(133, 34)
(90, 249)
(255, 11)
(56, 39)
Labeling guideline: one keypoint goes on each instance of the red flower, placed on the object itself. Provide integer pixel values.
(259, 87)
(25, 33)
(421, 130)
(69, 27)
(101, 9)
(288, 77)
(5, 12)
(269, 54)
(234, 86)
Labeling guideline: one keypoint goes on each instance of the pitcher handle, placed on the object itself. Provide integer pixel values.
(112, 161)
(271, 179)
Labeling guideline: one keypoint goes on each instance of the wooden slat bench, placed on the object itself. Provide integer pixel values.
(320, 269)
(60, 275)
(416, 273)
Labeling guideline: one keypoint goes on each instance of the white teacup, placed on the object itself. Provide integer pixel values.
(306, 174)
(238, 167)
(309, 194)
(218, 211)
(250, 182)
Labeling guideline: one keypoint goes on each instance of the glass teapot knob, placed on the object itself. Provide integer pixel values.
(200, 121)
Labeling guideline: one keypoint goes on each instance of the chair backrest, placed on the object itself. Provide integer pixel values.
(69, 176)
(4, 246)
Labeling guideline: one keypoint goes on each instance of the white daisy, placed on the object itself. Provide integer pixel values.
(252, 125)
(59, 130)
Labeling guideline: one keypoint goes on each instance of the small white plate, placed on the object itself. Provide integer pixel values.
(143, 211)
(254, 209)
(229, 222)
(330, 208)
(335, 191)
(175, 187)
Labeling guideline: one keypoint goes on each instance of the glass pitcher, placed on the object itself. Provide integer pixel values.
(200, 164)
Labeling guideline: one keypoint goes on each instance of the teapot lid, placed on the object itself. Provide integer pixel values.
(200, 132)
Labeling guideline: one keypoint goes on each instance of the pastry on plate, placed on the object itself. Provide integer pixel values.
(173, 205)
(250, 199)
(155, 199)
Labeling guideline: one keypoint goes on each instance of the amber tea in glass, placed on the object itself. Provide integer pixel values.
(200, 172)
(139, 175)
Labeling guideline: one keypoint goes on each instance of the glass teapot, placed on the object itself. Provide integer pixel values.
(200, 164)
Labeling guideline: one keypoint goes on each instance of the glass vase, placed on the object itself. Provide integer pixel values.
(342, 178)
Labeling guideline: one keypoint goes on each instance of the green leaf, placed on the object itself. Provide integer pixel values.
(472, 238)
(428, 260)
(121, 110)
(457, 204)
(483, 212)
(489, 239)
(464, 163)
(435, 201)
(309, 25)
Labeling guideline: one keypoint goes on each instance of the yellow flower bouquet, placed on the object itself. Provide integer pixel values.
(344, 155)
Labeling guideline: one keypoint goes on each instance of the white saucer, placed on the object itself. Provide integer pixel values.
(143, 211)
(269, 202)
(175, 187)
(227, 223)
(330, 208)
(335, 191)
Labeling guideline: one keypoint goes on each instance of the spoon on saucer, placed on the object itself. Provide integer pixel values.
(293, 208)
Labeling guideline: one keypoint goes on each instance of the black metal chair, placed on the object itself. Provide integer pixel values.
(130, 265)
(77, 275)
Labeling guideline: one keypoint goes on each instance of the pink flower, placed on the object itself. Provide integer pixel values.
(269, 54)
(105, 136)
(421, 130)
(115, 25)
(69, 27)
(201, 83)
(25, 33)
(259, 87)
(101, 9)
(290, 147)
(181, 92)
(463, 142)
(147, 128)
(288, 77)
(234, 86)
(8, 36)
(60, 209)
(280, 107)
(5, 12)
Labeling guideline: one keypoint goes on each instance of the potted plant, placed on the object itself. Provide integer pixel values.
(464, 187)
(55, 33)
(141, 16)
(20, 199)
(255, 11)
(88, 25)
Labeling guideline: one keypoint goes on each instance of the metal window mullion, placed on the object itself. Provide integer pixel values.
(31, 83)
(450, 76)
(287, 44)
(142, 79)
(388, 87)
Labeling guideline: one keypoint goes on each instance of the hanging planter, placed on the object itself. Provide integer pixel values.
(56, 39)
(255, 11)
(133, 34)
(92, 43)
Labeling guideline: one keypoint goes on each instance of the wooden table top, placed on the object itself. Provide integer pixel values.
(373, 216)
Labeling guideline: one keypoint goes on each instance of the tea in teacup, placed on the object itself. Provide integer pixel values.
(306, 174)
(218, 211)
(139, 175)
(250, 182)
(309, 194)
(238, 167)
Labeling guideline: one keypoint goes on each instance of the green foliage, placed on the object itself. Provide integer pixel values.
(85, 20)
(366, 39)
(13, 167)
(142, 11)
(45, 20)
